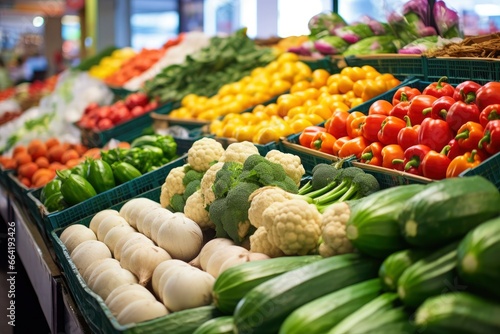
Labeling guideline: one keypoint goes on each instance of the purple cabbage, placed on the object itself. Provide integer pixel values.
(419, 7)
(330, 45)
(447, 21)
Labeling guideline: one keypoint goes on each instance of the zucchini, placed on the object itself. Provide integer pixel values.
(395, 264)
(447, 210)
(430, 276)
(182, 322)
(321, 314)
(478, 263)
(373, 224)
(220, 325)
(264, 308)
(230, 287)
(377, 313)
(458, 313)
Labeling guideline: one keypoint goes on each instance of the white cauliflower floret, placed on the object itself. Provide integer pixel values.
(239, 152)
(294, 226)
(207, 182)
(333, 230)
(195, 210)
(290, 162)
(261, 199)
(172, 185)
(259, 243)
(203, 152)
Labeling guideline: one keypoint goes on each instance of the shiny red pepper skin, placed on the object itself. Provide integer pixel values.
(323, 142)
(371, 126)
(435, 164)
(417, 106)
(400, 110)
(405, 93)
(408, 136)
(441, 106)
(439, 88)
(455, 149)
(336, 124)
(491, 137)
(308, 134)
(466, 91)
(414, 156)
(469, 135)
(389, 130)
(372, 154)
(488, 94)
(434, 133)
(461, 113)
(489, 113)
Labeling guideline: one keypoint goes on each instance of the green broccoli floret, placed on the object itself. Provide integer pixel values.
(191, 188)
(177, 203)
(226, 178)
(345, 176)
(216, 211)
(190, 176)
(260, 170)
(287, 184)
(362, 185)
(323, 175)
(252, 161)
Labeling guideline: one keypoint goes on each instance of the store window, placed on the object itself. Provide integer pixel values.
(293, 15)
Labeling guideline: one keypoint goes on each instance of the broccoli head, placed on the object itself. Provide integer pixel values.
(226, 178)
(216, 212)
(262, 171)
(191, 175)
(177, 203)
(191, 188)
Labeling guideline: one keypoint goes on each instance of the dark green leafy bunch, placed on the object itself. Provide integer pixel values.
(234, 183)
(224, 60)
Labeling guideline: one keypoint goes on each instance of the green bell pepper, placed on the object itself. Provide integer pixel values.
(100, 175)
(75, 188)
(50, 188)
(55, 202)
(124, 172)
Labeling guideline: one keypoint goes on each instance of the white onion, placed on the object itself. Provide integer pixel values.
(88, 252)
(158, 222)
(141, 310)
(237, 259)
(208, 249)
(220, 256)
(70, 229)
(77, 236)
(144, 260)
(108, 223)
(98, 217)
(145, 221)
(115, 234)
(161, 270)
(126, 297)
(110, 280)
(101, 264)
(127, 240)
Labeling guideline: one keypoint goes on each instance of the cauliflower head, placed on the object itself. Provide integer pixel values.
(333, 231)
(259, 243)
(207, 181)
(173, 185)
(290, 162)
(261, 199)
(203, 153)
(195, 210)
(239, 152)
(294, 226)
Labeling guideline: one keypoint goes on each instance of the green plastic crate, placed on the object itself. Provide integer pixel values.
(489, 168)
(395, 64)
(120, 92)
(4, 177)
(462, 69)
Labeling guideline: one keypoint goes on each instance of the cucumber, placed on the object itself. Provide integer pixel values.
(321, 314)
(478, 263)
(430, 276)
(447, 210)
(220, 325)
(230, 287)
(379, 312)
(264, 308)
(182, 322)
(396, 263)
(373, 226)
(458, 313)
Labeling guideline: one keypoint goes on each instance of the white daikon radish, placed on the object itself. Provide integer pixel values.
(220, 256)
(241, 258)
(144, 221)
(131, 205)
(110, 280)
(103, 263)
(181, 237)
(158, 222)
(140, 210)
(70, 229)
(122, 300)
(141, 310)
(78, 236)
(115, 234)
(160, 271)
(208, 249)
(98, 217)
(88, 252)
(99, 269)
(127, 240)
(187, 288)
(144, 260)
(108, 223)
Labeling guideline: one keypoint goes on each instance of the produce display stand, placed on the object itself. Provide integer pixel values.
(4, 177)
(396, 64)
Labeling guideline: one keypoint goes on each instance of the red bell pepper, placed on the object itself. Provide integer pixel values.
(466, 91)
(391, 154)
(381, 107)
(488, 94)
(469, 135)
(389, 129)
(435, 164)
(455, 149)
(405, 93)
(408, 136)
(441, 106)
(417, 106)
(434, 133)
(413, 157)
(462, 163)
(489, 113)
(305, 138)
(400, 110)
(354, 122)
(439, 88)
(491, 137)
(461, 113)
(339, 143)
(371, 126)
(323, 142)
(372, 154)
(354, 146)
(336, 124)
